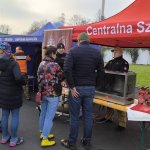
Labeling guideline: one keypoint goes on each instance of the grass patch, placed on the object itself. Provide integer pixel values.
(142, 74)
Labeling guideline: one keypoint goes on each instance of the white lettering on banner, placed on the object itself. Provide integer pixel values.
(143, 27)
(140, 27)
(8, 39)
(26, 39)
(118, 29)
(148, 27)
(129, 28)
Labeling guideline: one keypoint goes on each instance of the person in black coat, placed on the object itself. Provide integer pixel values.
(121, 65)
(60, 56)
(82, 64)
(11, 81)
(118, 63)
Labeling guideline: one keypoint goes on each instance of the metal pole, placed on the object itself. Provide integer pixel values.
(103, 6)
(143, 127)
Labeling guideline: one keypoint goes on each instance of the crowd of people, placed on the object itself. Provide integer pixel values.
(79, 70)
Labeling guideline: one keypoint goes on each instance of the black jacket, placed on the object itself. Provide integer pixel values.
(11, 82)
(117, 64)
(81, 64)
(60, 58)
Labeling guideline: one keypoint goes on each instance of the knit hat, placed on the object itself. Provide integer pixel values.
(83, 37)
(5, 47)
(60, 45)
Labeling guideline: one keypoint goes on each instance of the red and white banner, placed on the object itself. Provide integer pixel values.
(129, 28)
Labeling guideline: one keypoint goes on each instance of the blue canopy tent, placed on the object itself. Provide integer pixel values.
(35, 37)
(30, 43)
(40, 32)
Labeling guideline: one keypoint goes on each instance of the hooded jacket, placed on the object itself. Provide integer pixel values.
(11, 82)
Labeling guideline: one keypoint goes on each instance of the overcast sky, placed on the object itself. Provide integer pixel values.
(20, 14)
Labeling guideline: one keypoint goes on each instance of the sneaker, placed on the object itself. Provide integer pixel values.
(50, 136)
(5, 140)
(19, 141)
(66, 144)
(46, 143)
(86, 145)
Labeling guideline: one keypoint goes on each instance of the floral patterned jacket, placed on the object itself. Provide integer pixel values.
(50, 76)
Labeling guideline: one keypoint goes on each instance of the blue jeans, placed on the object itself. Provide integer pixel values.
(48, 110)
(14, 123)
(86, 101)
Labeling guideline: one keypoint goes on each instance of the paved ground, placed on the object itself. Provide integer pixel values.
(105, 137)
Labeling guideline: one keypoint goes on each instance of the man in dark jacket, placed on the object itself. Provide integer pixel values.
(80, 67)
(10, 95)
(118, 63)
(121, 65)
(60, 56)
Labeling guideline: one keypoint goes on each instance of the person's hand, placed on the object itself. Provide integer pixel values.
(74, 92)
(64, 84)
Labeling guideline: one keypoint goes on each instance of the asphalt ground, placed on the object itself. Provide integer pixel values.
(105, 135)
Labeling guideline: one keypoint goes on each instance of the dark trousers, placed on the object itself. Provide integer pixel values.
(26, 87)
(85, 100)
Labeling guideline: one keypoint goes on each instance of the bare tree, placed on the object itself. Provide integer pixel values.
(133, 53)
(62, 18)
(78, 20)
(36, 25)
(5, 28)
(98, 15)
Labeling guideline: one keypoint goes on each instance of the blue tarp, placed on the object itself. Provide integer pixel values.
(58, 24)
(40, 32)
(36, 37)
(21, 38)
